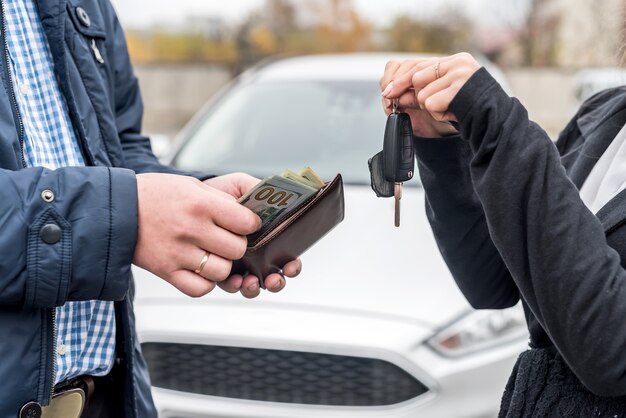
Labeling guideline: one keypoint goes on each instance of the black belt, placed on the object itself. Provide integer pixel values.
(85, 383)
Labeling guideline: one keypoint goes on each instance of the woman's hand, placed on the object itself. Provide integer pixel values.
(424, 89)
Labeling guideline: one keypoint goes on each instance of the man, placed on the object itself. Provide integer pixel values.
(77, 207)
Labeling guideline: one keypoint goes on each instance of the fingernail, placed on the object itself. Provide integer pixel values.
(253, 287)
(387, 89)
(279, 285)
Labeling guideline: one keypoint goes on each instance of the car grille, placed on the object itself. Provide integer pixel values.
(278, 376)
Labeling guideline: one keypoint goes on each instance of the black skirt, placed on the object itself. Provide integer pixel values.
(543, 386)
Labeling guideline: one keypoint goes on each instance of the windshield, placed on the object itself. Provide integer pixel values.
(264, 128)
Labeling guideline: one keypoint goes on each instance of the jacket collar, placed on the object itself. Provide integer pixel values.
(598, 128)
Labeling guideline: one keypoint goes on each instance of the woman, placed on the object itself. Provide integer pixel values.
(519, 217)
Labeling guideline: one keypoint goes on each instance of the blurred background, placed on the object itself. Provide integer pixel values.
(375, 325)
(186, 50)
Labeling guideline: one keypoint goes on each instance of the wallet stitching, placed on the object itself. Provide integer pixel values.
(314, 198)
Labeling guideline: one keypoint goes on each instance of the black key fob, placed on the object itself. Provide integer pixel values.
(380, 185)
(398, 153)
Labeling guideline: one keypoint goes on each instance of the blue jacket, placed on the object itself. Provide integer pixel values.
(76, 243)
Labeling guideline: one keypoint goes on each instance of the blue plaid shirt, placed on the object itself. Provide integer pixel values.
(85, 330)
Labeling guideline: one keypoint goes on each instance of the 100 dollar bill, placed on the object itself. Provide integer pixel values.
(273, 199)
(305, 176)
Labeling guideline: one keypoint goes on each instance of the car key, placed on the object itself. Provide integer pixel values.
(398, 154)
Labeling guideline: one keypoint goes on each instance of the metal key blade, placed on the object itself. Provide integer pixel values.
(397, 195)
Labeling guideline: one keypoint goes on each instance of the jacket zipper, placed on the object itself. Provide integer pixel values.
(53, 314)
(7, 67)
(20, 132)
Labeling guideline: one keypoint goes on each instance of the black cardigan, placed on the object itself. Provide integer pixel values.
(504, 205)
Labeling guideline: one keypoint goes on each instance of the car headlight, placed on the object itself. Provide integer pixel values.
(480, 330)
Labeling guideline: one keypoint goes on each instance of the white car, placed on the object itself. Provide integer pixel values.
(590, 81)
(374, 326)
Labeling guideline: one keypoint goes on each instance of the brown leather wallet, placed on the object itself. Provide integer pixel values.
(297, 233)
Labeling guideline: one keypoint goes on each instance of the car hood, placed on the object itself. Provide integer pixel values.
(365, 265)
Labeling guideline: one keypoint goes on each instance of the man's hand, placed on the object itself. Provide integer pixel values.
(236, 185)
(180, 220)
(425, 88)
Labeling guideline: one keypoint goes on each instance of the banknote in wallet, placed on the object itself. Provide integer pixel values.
(275, 197)
(296, 210)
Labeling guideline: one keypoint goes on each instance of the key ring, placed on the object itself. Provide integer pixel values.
(395, 105)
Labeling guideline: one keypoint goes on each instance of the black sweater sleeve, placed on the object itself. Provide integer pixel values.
(554, 248)
(458, 222)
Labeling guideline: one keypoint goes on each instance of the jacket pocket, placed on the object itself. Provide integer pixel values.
(87, 20)
(92, 78)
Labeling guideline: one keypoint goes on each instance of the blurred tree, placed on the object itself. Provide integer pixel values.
(314, 26)
(574, 34)
(264, 41)
(337, 26)
(448, 33)
(317, 26)
(264, 33)
(243, 46)
(533, 40)
(137, 47)
(281, 20)
(539, 37)
(163, 47)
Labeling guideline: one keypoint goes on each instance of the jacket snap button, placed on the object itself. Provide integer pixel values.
(31, 410)
(83, 16)
(50, 233)
(47, 196)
